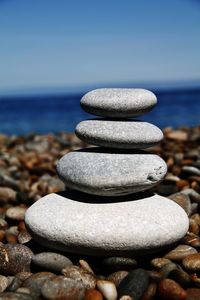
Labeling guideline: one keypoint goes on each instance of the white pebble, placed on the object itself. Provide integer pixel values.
(108, 289)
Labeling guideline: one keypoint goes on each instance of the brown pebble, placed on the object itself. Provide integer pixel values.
(195, 280)
(192, 262)
(180, 252)
(155, 276)
(150, 293)
(2, 235)
(61, 287)
(126, 298)
(23, 275)
(93, 294)
(16, 213)
(3, 283)
(117, 277)
(192, 239)
(193, 294)
(182, 200)
(7, 194)
(170, 289)
(23, 290)
(24, 237)
(159, 262)
(180, 276)
(75, 272)
(14, 259)
(193, 226)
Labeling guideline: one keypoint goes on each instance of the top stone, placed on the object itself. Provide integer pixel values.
(118, 102)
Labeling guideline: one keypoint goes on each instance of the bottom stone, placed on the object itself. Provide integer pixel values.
(80, 223)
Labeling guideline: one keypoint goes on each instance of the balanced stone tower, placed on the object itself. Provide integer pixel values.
(108, 208)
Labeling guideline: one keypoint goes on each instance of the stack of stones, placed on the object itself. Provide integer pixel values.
(108, 208)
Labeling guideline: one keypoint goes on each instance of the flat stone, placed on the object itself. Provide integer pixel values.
(118, 102)
(100, 227)
(119, 134)
(110, 173)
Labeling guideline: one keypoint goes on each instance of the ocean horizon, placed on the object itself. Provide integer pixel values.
(52, 113)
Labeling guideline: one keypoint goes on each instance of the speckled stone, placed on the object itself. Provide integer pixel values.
(119, 134)
(118, 102)
(103, 172)
(100, 227)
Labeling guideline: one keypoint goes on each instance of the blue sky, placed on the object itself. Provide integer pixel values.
(71, 43)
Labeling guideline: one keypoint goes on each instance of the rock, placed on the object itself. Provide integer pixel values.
(171, 290)
(193, 294)
(61, 287)
(180, 252)
(14, 296)
(14, 259)
(7, 194)
(101, 172)
(23, 290)
(167, 269)
(117, 277)
(3, 283)
(14, 285)
(180, 276)
(118, 103)
(119, 134)
(158, 263)
(124, 227)
(16, 213)
(24, 237)
(108, 289)
(93, 294)
(178, 135)
(192, 262)
(50, 261)
(150, 293)
(84, 265)
(118, 263)
(74, 272)
(182, 200)
(35, 282)
(134, 284)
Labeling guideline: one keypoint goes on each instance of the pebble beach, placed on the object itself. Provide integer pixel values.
(30, 271)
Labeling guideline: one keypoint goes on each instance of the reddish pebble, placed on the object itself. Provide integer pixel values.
(193, 294)
(93, 294)
(171, 290)
(192, 262)
(149, 294)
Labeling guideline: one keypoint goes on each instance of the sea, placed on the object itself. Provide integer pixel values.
(52, 113)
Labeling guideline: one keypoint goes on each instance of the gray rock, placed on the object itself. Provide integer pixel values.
(50, 261)
(99, 227)
(119, 134)
(102, 172)
(118, 102)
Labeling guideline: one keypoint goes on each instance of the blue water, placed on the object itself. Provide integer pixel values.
(45, 114)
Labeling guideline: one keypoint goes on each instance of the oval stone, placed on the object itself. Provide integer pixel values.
(119, 134)
(97, 227)
(102, 172)
(118, 102)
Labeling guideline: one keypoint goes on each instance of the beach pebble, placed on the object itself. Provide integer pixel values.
(182, 200)
(61, 287)
(24, 237)
(14, 285)
(192, 240)
(180, 252)
(170, 290)
(159, 262)
(192, 262)
(150, 292)
(35, 282)
(134, 284)
(14, 296)
(120, 134)
(101, 172)
(51, 261)
(93, 294)
(117, 277)
(118, 263)
(88, 280)
(193, 294)
(85, 266)
(180, 276)
(23, 290)
(7, 194)
(123, 227)
(14, 259)
(108, 289)
(16, 213)
(3, 283)
(118, 102)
